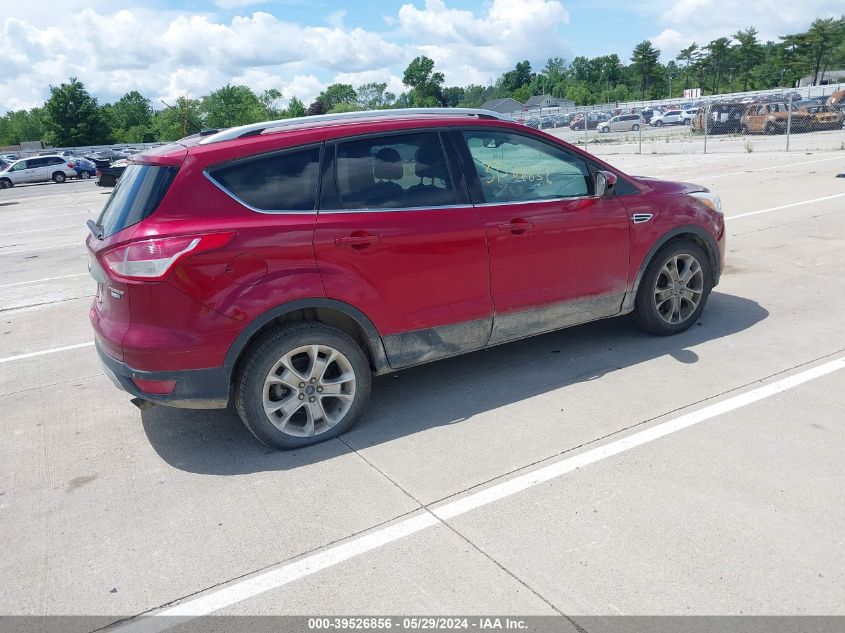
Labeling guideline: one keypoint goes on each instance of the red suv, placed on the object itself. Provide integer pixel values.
(277, 266)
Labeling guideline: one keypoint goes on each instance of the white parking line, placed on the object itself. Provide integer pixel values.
(42, 248)
(785, 206)
(9, 359)
(45, 229)
(286, 574)
(37, 281)
(751, 171)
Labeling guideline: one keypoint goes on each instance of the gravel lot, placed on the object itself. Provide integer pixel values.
(592, 471)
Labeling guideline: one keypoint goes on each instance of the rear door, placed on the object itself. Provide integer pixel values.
(398, 239)
(558, 254)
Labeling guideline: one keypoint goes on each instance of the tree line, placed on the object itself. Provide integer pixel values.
(73, 117)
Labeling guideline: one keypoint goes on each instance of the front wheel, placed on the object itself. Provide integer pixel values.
(5, 183)
(302, 384)
(686, 121)
(59, 177)
(635, 127)
(674, 288)
(658, 124)
(84, 175)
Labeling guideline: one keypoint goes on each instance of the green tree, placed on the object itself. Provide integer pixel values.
(230, 106)
(177, 121)
(426, 85)
(131, 118)
(339, 98)
(646, 66)
(295, 108)
(717, 56)
(749, 52)
(515, 79)
(824, 36)
(22, 125)
(72, 117)
(373, 96)
(453, 95)
(688, 56)
(270, 100)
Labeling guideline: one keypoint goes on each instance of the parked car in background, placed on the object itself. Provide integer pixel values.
(4, 164)
(547, 121)
(563, 120)
(670, 117)
(836, 100)
(37, 169)
(773, 118)
(622, 123)
(532, 122)
(648, 114)
(593, 120)
(823, 117)
(252, 267)
(722, 118)
(688, 114)
(84, 168)
(108, 176)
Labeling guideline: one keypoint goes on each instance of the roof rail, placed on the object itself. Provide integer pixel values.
(257, 128)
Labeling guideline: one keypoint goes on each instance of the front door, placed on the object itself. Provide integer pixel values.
(398, 241)
(558, 254)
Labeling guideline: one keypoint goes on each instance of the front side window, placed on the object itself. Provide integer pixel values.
(285, 181)
(517, 168)
(393, 172)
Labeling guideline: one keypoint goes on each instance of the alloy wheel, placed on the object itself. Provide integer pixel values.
(679, 288)
(309, 390)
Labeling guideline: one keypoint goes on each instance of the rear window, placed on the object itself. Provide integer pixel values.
(137, 194)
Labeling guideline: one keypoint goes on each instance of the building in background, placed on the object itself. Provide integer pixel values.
(539, 102)
(824, 79)
(503, 106)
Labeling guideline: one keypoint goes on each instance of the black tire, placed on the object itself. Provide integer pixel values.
(770, 128)
(84, 175)
(250, 383)
(645, 311)
(687, 121)
(744, 129)
(658, 124)
(59, 177)
(5, 183)
(635, 127)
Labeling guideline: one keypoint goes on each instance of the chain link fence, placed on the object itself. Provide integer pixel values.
(805, 119)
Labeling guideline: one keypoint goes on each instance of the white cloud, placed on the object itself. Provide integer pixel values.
(471, 48)
(701, 21)
(114, 46)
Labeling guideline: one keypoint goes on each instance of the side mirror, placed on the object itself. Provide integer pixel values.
(605, 181)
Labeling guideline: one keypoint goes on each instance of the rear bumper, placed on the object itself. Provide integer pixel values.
(195, 388)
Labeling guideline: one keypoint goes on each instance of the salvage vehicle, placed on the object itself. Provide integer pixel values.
(721, 118)
(823, 117)
(774, 118)
(276, 267)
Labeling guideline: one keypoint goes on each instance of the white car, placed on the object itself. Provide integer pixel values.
(688, 115)
(622, 123)
(670, 117)
(37, 169)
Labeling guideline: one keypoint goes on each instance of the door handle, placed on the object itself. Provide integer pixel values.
(357, 241)
(517, 226)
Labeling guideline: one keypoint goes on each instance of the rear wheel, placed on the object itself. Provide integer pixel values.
(770, 128)
(59, 177)
(303, 384)
(84, 175)
(674, 288)
(636, 127)
(5, 183)
(658, 124)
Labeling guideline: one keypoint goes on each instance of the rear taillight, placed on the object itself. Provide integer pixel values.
(154, 258)
(70, 165)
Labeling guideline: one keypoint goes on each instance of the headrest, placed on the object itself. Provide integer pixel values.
(430, 163)
(388, 164)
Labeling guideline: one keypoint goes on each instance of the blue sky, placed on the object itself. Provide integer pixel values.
(170, 48)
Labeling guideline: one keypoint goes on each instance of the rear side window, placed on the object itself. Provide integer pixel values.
(32, 163)
(285, 181)
(57, 161)
(137, 194)
(393, 172)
